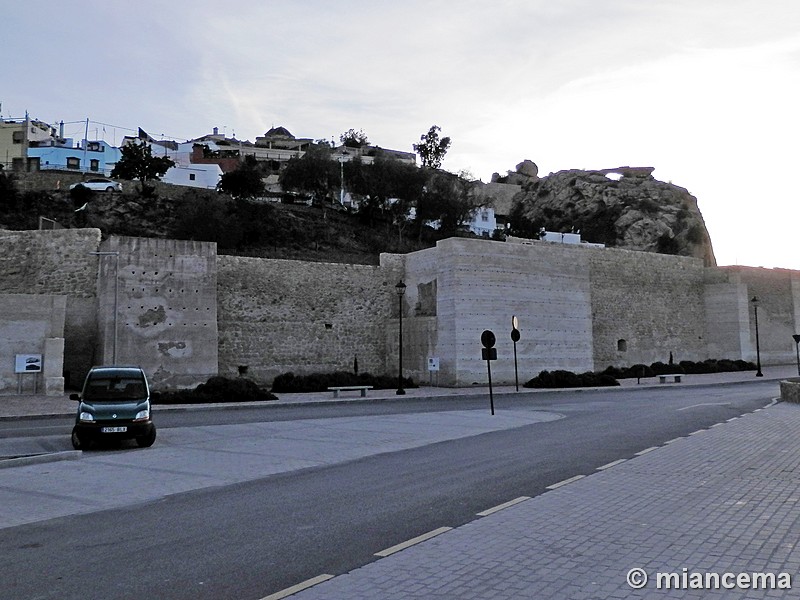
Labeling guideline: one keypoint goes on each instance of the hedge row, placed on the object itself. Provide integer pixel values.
(686, 367)
(216, 389)
(320, 382)
(568, 379)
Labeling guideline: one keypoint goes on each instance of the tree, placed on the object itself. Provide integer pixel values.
(354, 139)
(314, 174)
(244, 182)
(432, 148)
(389, 189)
(138, 162)
(449, 200)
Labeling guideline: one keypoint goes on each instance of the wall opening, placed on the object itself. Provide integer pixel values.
(622, 345)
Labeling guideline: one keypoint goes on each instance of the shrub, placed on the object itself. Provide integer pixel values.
(320, 382)
(568, 379)
(216, 389)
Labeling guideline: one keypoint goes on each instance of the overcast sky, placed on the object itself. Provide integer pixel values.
(705, 91)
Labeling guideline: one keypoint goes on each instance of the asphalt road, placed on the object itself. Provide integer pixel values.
(251, 539)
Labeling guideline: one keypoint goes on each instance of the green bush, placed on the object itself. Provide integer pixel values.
(216, 389)
(320, 382)
(568, 379)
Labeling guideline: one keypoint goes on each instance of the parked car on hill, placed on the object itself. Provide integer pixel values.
(99, 184)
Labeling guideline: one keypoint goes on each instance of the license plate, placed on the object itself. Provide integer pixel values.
(114, 429)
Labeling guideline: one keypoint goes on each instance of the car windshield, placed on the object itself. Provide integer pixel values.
(114, 388)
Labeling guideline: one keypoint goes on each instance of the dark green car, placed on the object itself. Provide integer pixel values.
(114, 405)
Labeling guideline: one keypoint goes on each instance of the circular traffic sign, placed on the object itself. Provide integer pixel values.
(515, 335)
(487, 339)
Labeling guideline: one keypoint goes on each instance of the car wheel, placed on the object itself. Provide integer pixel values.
(109, 189)
(147, 440)
(77, 443)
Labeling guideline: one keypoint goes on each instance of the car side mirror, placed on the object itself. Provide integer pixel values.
(75, 397)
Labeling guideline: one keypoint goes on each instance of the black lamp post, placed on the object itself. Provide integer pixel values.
(758, 347)
(796, 338)
(401, 291)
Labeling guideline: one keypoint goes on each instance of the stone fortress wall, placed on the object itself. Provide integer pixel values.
(184, 313)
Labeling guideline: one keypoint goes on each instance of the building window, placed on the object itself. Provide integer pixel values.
(18, 136)
(94, 164)
(73, 163)
(622, 346)
(485, 216)
(191, 177)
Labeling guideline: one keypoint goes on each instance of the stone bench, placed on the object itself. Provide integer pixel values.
(676, 377)
(350, 388)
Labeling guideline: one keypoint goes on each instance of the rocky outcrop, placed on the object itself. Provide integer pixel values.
(623, 207)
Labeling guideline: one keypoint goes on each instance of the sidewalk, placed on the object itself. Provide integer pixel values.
(13, 406)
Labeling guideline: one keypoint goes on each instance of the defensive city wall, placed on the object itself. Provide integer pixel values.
(185, 313)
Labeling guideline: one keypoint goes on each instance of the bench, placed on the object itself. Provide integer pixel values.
(350, 388)
(676, 377)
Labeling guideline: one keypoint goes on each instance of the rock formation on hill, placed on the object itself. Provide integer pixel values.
(623, 208)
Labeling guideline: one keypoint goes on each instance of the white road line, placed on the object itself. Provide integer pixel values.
(298, 588)
(499, 507)
(673, 440)
(646, 450)
(705, 404)
(612, 464)
(413, 541)
(698, 431)
(565, 482)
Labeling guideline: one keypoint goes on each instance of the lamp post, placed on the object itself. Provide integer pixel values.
(401, 291)
(116, 298)
(796, 338)
(758, 347)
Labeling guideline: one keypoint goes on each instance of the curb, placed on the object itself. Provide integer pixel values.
(38, 459)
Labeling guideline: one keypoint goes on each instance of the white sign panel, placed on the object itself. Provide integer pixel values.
(433, 363)
(28, 363)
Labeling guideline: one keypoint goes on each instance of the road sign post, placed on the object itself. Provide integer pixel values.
(489, 353)
(515, 338)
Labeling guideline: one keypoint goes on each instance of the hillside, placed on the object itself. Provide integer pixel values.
(632, 211)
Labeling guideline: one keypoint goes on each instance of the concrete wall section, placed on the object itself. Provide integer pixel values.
(277, 316)
(646, 305)
(166, 298)
(58, 262)
(32, 324)
(726, 333)
(777, 310)
(481, 285)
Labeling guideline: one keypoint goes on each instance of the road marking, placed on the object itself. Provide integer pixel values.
(413, 541)
(565, 482)
(646, 450)
(705, 404)
(612, 464)
(673, 440)
(698, 431)
(731, 419)
(499, 507)
(298, 588)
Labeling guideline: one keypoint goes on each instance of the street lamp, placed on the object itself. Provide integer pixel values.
(116, 299)
(515, 338)
(758, 348)
(796, 338)
(401, 291)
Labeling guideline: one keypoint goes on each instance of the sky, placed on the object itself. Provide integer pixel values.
(705, 91)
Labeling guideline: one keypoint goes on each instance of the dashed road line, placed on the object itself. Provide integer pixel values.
(646, 450)
(500, 507)
(612, 464)
(304, 585)
(698, 431)
(673, 440)
(565, 482)
(413, 541)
